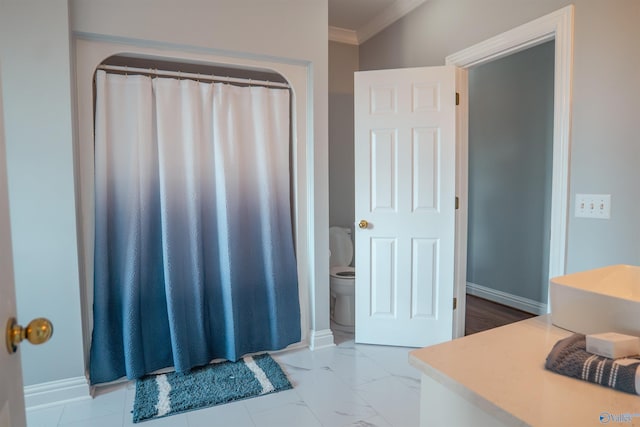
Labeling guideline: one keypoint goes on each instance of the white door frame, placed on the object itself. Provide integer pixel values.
(556, 26)
(11, 385)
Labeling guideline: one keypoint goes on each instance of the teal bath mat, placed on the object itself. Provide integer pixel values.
(167, 394)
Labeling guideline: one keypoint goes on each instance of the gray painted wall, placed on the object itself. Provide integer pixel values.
(343, 62)
(510, 160)
(605, 152)
(37, 96)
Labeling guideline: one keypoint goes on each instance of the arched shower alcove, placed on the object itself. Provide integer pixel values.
(90, 53)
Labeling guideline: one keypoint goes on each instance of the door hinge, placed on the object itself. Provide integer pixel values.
(457, 203)
(455, 303)
(457, 98)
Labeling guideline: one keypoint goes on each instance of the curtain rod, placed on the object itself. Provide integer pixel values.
(194, 76)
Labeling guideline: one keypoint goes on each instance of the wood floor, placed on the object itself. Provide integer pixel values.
(482, 314)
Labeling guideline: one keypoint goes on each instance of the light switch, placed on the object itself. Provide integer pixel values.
(593, 206)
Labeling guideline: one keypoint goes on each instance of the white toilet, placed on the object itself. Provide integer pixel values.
(342, 280)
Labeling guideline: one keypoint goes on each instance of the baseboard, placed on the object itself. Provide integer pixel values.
(321, 339)
(510, 300)
(52, 393)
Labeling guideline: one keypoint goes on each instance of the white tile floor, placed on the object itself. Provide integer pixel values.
(347, 385)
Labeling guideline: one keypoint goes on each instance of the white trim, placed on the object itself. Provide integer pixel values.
(379, 22)
(388, 16)
(321, 339)
(556, 26)
(462, 187)
(343, 35)
(505, 298)
(538, 31)
(53, 393)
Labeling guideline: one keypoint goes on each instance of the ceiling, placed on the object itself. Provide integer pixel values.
(355, 21)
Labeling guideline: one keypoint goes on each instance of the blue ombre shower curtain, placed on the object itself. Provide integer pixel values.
(194, 256)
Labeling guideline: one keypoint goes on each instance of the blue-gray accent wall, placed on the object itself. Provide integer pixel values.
(510, 169)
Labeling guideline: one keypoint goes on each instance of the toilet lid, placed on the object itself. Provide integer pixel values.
(340, 246)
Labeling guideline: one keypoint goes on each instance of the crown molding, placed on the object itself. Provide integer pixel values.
(388, 16)
(382, 20)
(342, 35)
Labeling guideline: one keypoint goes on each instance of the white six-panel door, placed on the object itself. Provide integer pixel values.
(405, 192)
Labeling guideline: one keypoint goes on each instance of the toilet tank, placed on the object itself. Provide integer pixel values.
(341, 246)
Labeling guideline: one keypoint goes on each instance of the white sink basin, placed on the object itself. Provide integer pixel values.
(601, 300)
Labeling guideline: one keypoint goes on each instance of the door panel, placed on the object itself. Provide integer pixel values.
(405, 180)
(383, 170)
(383, 278)
(423, 280)
(426, 152)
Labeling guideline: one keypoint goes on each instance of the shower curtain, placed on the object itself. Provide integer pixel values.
(194, 256)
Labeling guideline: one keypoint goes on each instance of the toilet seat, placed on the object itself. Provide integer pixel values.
(343, 272)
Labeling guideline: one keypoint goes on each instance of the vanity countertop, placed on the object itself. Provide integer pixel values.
(501, 371)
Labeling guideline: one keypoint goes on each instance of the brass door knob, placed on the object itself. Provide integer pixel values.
(363, 224)
(37, 332)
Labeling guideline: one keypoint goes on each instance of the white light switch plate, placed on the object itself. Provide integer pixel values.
(593, 206)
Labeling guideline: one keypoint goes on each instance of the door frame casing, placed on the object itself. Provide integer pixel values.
(12, 406)
(557, 26)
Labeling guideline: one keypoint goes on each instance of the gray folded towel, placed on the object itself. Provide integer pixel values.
(569, 357)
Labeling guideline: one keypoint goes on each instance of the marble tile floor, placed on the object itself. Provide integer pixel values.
(346, 385)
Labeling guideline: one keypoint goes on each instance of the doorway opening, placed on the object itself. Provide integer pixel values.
(558, 28)
(509, 197)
